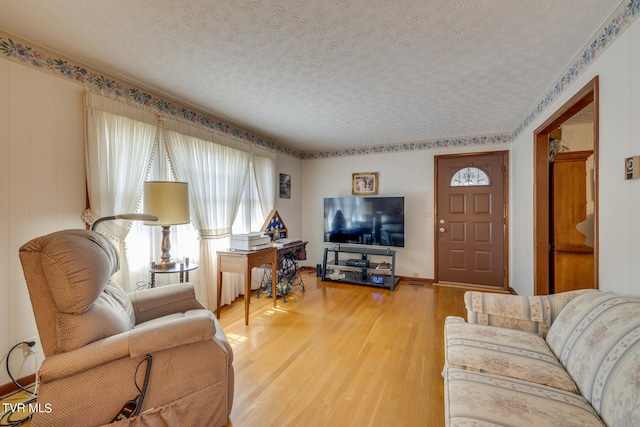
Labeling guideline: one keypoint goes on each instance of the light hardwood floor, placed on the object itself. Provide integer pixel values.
(341, 355)
(19, 413)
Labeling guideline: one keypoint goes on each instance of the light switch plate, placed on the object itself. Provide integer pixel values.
(632, 167)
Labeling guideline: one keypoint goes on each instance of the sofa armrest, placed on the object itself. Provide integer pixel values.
(527, 313)
(152, 303)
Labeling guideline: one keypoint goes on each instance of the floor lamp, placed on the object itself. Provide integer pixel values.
(169, 201)
(128, 216)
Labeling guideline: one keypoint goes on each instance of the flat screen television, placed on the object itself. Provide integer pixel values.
(377, 221)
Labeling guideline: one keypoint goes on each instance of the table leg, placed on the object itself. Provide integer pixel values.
(219, 288)
(274, 277)
(247, 294)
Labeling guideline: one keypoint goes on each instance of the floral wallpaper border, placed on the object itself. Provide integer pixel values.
(620, 21)
(412, 146)
(17, 50)
(40, 58)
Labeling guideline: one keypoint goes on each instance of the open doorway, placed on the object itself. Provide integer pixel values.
(566, 196)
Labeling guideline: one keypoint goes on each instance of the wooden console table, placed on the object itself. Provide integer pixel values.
(242, 262)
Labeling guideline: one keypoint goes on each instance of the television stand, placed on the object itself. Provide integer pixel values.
(363, 267)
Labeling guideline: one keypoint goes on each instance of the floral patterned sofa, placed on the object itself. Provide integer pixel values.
(570, 359)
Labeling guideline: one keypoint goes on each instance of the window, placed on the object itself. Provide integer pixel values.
(470, 176)
(232, 184)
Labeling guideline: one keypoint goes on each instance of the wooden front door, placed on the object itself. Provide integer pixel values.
(471, 219)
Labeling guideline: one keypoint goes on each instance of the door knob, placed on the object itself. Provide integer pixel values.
(442, 230)
(442, 221)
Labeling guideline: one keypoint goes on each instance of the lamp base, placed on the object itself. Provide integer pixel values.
(165, 265)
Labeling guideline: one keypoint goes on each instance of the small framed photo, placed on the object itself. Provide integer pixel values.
(364, 183)
(285, 186)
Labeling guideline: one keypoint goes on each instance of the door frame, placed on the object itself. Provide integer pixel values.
(505, 154)
(541, 227)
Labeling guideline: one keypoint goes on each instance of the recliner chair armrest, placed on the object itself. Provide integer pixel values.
(527, 313)
(91, 355)
(151, 303)
(199, 326)
(196, 326)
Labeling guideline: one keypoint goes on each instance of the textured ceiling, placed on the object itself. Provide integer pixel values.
(328, 74)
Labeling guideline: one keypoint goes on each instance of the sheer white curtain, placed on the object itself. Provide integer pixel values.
(254, 209)
(119, 145)
(216, 175)
(250, 217)
(224, 179)
(264, 175)
(144, 241)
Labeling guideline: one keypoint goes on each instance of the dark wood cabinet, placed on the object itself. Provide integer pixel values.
(571, 259)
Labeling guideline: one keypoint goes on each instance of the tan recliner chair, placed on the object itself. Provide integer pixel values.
(96, 340)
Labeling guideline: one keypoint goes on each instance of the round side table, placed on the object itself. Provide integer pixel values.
(181, 268)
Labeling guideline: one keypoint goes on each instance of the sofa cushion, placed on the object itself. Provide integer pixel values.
(597, 338)
(480, 399)
(527, 313)
(507, 352)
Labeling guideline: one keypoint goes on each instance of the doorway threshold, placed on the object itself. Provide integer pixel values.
(473, 287)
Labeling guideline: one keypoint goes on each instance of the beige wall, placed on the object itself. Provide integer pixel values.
(290, 209)
(409, 174)
(42, 187)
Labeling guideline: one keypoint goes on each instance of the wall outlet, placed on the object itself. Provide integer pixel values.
(27, 350)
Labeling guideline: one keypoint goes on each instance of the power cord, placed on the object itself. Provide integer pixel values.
(132, 407)
(12, 409)
(30, 344)
(145, 384)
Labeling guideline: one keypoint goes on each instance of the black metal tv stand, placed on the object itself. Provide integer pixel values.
(361, 268)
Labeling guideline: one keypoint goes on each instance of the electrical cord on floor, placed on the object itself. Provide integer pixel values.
(6, 419)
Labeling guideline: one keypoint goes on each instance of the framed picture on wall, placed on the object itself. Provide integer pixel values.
(285, 186)
(364, 183)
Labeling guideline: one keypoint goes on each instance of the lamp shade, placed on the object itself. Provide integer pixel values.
(168, 200)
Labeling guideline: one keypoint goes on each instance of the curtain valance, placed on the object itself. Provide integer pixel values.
(99, 102)
(217, 137)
